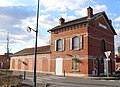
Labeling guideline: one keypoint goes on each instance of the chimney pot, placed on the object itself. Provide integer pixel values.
(61, 21)
(110, 21)
(89, 12)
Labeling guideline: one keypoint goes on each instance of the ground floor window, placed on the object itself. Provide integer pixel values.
(75, 64)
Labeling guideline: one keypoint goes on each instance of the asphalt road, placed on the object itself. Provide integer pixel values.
(57, 81)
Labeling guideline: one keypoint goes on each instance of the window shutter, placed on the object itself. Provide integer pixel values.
(81, 42)
(63, 44)
(55, 45)
(70, 43)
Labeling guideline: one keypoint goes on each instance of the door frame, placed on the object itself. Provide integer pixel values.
(59, 66)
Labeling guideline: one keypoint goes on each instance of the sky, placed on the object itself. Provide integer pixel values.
(16, 15)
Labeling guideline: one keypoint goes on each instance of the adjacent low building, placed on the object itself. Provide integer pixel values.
(4, 62)
(77, 48)
(24, 60)
(118, 60)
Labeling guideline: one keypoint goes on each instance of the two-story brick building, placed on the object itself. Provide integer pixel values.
(77, 47)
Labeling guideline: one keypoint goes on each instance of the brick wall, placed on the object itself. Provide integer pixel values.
(42, 63)
(96, 35)
(66, 35)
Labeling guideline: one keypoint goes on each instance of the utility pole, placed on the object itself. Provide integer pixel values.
(8, 45)
(8, 52)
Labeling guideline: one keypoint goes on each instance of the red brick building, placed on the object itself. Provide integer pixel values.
(4, 62)
(24, 60)
(118, 60)
(77, 47)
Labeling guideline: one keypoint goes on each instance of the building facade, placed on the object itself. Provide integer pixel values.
(118, 60)
(24, 60)
(4, 62)
(119, 50)
(77, 47)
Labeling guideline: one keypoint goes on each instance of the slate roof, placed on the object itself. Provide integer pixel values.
(30, 51)
(84, 20)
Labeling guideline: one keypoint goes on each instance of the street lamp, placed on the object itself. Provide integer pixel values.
(35, 51)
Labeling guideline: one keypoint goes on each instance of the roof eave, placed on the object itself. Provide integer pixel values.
(24, 54)
(109, 23)
(58, 27)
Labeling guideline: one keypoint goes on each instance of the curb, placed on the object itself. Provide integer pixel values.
(104, 78)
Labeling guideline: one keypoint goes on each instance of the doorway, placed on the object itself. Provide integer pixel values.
(59, 66)
(105, 67)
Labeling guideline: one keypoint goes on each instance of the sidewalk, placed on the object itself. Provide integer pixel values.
(27, 83)
(104, 78)
(30, 83)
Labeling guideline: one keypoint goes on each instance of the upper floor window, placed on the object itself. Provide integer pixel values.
(76, 43)
(102, 25)
(59, 45)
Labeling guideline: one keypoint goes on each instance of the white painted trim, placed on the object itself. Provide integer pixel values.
(59, 66)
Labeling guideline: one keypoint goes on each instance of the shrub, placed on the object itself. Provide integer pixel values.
(9, 80)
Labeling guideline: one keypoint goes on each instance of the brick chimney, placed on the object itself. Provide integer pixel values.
(61, 21)
(89, 12)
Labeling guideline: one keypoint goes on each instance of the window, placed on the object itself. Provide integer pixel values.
(102, 25)
(1, 64)
(103, 46)
(75, 64)
(102, 60)
(59, 45)
(76, 43)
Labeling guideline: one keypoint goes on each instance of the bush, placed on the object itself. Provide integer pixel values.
(9, 80)
(6, 71)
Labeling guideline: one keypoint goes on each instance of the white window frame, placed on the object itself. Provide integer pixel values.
(71, 43)
(59, 45)
(74, 43)
(62, 45)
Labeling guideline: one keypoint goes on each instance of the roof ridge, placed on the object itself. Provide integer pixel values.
(82, 19)
(41, 49)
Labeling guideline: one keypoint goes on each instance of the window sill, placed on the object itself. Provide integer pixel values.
(76, 49)
(59, 51)
(75, 70)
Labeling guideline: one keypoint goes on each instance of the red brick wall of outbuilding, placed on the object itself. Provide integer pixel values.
(44, 64)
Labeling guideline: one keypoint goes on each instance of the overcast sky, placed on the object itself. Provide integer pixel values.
(16, 15)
